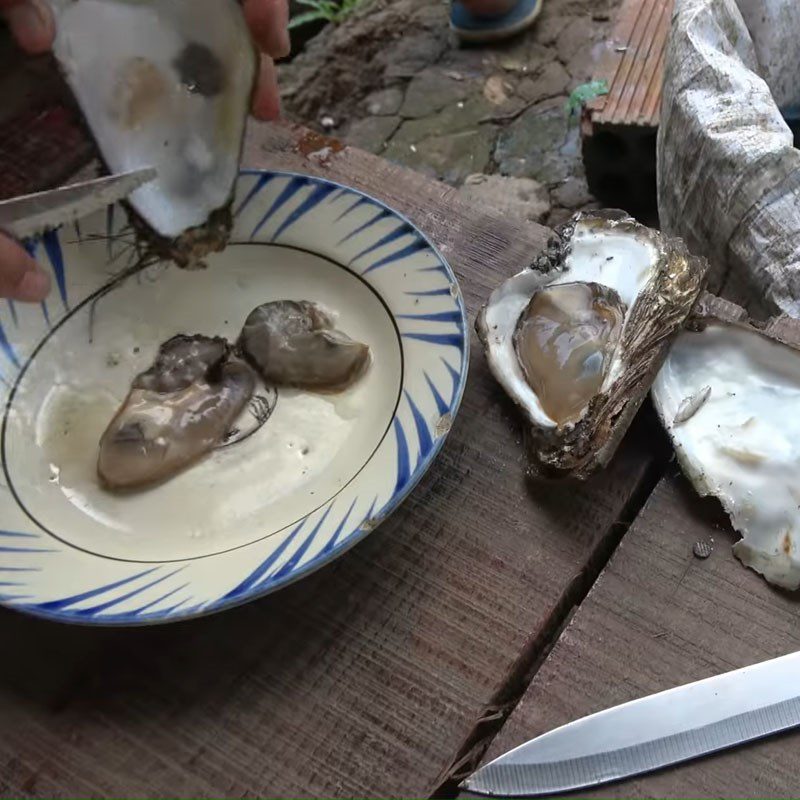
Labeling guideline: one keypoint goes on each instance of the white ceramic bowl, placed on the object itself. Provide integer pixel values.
(252, 517)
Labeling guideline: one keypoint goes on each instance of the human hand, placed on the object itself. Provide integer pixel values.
(21, 278)
(269, 24)
(31, 23)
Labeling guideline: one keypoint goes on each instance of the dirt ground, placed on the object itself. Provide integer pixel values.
(393, 80)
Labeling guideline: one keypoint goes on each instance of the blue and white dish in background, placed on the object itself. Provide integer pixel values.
(255, 516)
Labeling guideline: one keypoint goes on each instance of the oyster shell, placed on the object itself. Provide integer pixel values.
(176, 412)
(164, 84)
(295, 343)
(600, 307)
(728, 395)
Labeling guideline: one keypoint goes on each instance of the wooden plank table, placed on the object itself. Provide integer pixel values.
(376, 674)
(659, 617)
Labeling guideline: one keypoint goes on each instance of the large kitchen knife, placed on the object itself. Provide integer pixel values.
(37, 213)
(653, 732)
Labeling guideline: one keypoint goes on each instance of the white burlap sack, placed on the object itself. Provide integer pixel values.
(774, 27)
(728, 173)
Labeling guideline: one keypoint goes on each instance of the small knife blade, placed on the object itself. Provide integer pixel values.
(36, 213)
(650, 733)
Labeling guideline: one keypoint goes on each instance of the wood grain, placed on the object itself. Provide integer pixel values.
(659, 617)
(633, 65)
(488, 245)
(41, 139)
(368, 677)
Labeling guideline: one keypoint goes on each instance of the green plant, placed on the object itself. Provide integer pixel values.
(326, 10)
(582, 94)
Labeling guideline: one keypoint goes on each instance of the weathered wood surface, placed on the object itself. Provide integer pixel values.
(633, 65)
(41, 139)
(659, 617)
(368, 677)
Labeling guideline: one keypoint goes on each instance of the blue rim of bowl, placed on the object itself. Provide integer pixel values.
(357, 535)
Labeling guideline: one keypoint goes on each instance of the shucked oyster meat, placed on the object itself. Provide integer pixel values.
(577, 340)
(186, 403)
(728, 395)
(565, 341)
(164, 84)
(295, 343)
(176, 412)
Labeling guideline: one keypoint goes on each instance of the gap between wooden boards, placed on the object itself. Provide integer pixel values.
(535, 652)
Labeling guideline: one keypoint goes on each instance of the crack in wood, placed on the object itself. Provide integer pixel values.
(535, 652)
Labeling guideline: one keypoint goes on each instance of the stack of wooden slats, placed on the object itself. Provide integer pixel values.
(619, 128)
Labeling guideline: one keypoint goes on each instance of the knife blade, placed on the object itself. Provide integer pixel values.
(36, 213)
(650, 733)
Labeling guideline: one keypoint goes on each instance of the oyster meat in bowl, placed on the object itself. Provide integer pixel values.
(177, 441)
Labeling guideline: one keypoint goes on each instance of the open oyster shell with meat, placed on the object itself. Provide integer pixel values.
(164, 84)
(728, 395)
(577, 340)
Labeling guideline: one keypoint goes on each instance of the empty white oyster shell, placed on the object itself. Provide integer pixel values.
(607, 341)
(164, 84)
(742, 443)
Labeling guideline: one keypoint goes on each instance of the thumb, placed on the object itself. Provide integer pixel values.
(31, 23)
(21, 278)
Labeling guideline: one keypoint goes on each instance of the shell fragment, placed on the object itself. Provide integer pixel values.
(742, 443)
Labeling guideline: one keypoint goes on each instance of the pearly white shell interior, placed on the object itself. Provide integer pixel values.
(608, 255)
(119, 58)
(742, 444)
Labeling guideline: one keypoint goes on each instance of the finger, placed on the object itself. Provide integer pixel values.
(269, 24)
(21, 278)
(31, 22)
(266, 100)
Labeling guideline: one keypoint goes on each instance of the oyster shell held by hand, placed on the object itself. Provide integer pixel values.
(164, 84)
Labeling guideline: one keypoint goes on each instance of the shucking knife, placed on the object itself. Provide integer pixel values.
(653, 732)
(32, 214)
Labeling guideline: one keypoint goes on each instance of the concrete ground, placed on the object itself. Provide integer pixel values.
(492, 120)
